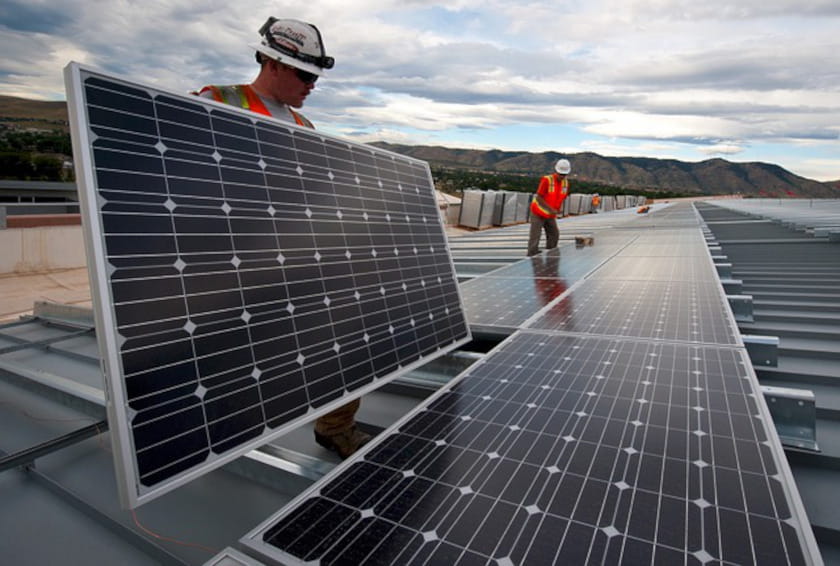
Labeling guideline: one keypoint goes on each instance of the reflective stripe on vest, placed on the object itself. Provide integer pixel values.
(245, 97)
(550, 183)
(537, 208)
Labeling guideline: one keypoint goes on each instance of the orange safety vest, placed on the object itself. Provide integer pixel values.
(596, 200)
(245, 97)
(553, 196)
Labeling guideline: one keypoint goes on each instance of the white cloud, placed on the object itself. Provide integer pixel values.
(647, 126)
(721, 149)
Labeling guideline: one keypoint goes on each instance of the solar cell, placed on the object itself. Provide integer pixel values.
(676, 247)
(621, 295)
(659, 310)
(501, 301)
(674, 215)
(247, 274)
(572, 262)
(561, 449)
(660, 268)
(498, 305)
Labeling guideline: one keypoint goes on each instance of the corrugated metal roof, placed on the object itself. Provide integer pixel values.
(792, 275)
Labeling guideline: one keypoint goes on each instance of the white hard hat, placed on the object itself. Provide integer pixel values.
(563, 166)
(294, 43)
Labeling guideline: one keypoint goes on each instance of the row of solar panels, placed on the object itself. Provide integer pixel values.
(620, 424)
(483, 209)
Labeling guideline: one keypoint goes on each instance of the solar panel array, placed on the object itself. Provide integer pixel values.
(501, 304)
(248, 274)
(596, 444)
(658, 269)
(502, 300)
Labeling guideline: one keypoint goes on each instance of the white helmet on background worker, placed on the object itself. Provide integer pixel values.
(563, 166)
(294, 43)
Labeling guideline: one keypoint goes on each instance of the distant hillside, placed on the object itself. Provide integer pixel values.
(713, 176)
(22, 113)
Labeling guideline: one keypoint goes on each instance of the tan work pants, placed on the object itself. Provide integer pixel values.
(552, 234)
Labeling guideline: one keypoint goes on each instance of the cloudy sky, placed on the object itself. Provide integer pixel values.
(754, 80)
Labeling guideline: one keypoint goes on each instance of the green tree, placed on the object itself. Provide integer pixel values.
(46, 168)
(22, 155)
(15, 165)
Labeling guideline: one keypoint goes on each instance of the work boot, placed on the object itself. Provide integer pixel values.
(344, 443)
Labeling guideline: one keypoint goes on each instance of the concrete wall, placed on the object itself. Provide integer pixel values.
(27, 250)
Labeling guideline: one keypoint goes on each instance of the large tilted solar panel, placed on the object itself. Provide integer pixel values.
(560, 449)
(657, 310)
(247, 274)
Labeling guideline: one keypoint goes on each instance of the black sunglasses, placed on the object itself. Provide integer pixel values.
(305, 76)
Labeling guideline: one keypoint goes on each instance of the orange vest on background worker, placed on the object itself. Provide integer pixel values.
(554, 191)
(596, 200)
(244, 96)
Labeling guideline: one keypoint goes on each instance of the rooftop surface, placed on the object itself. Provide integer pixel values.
(52, 397)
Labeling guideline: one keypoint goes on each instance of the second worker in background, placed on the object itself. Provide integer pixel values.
(292, 57)
(546, 206)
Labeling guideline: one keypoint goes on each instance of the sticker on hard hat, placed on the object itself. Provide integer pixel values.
(290, 34)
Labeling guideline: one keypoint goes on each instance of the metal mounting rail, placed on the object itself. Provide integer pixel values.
(28, 456)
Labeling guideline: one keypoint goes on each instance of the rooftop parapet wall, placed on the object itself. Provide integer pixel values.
(43, 248)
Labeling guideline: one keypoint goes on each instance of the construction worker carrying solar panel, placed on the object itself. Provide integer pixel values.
(546, 206)
(291, 56)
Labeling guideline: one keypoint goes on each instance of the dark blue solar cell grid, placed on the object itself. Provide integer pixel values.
(562, 450)
(658, 268)
(673, 247)
(255, 272)
(502, 300)
(500, 304)
(505, 304)
(574, 262)
(676, 310)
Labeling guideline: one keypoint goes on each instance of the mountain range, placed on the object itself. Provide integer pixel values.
(713, 176)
